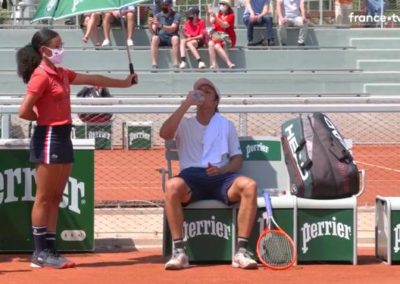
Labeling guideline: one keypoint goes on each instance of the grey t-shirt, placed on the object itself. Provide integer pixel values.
(291, 8)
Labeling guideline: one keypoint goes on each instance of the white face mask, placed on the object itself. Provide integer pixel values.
(223, 8)
(57, 55)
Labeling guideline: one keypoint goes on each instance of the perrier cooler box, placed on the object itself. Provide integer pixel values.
(139, 134)
(75, 228)
(100, 132)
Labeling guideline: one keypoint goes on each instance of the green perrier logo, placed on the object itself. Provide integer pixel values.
(261, 150)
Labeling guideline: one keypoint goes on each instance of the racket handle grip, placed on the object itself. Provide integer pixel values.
(268, 203)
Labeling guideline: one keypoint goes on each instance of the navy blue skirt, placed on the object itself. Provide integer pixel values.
(51, 145)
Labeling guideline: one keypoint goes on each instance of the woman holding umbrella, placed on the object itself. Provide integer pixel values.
(47, 101)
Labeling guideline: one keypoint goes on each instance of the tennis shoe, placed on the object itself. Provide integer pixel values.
(183, 65)
(243, 259)
(50, 259)
(129, 42)
(202, 65)
(106, 42)
(179, 260)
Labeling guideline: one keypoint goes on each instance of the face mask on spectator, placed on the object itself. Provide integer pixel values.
(190, 18)
(57, 55)
(223, 8)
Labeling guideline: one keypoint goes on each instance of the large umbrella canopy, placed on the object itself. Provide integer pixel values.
(60, 9)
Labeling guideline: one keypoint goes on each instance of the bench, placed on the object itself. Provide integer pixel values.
(387, 229)
(303, 219)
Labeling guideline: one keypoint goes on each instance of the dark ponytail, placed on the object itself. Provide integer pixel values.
(29, 57)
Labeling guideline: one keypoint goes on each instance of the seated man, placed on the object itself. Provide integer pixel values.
(257, 14)
(210, 157)
(291, 13)
(128, 14)
(165, 31)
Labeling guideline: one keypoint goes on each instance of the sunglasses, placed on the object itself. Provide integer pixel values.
(222, 4)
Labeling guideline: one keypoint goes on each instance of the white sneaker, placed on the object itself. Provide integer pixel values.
(183, 65)
(129, 42)
(106, 42)
(202, 65)
(242, 259)
(179, 260)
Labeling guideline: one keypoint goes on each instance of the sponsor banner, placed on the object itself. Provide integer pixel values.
(325, 235)
(261, 150)
(139, 136)
(208, 234)
(75, 230)
(395, 232)
(100, 132)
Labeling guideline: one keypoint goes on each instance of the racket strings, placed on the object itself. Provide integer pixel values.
(276, 249)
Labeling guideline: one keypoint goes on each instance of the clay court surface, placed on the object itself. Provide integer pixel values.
(147, 267)
(136, 178)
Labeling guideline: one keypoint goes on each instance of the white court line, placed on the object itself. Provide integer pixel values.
(380, 167)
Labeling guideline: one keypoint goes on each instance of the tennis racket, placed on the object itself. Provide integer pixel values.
(275, 248)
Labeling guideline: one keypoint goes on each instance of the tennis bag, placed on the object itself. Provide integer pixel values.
(318, 160)
(94, 92)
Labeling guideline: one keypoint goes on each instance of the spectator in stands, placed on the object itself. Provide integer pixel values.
(210, 158)
(257, 13)
(343, 8)
(375, 8)
(154, 10)
(194, 33)
(223, 34)
(47, 101)
(128, 14)
(91, 21)
(291, 13)
(165, 32)
(151, 11)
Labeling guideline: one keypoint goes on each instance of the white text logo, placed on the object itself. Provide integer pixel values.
(260, 147)
(324, 228)
(206, 227)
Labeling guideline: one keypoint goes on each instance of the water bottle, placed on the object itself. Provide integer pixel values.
(275, 191)
(198, 95)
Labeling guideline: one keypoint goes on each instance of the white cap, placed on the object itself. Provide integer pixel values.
(203, 81)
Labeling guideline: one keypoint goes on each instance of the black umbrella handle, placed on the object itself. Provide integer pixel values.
(132, 71)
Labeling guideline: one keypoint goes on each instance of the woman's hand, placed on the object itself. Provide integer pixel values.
(131, 79)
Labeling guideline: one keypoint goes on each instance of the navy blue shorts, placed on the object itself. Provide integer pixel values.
(204, 186)
(51, 145)
(165, 39)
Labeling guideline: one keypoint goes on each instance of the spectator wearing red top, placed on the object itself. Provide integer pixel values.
(194, 31)
(47, 101)
(223, 23)
(343, 8)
